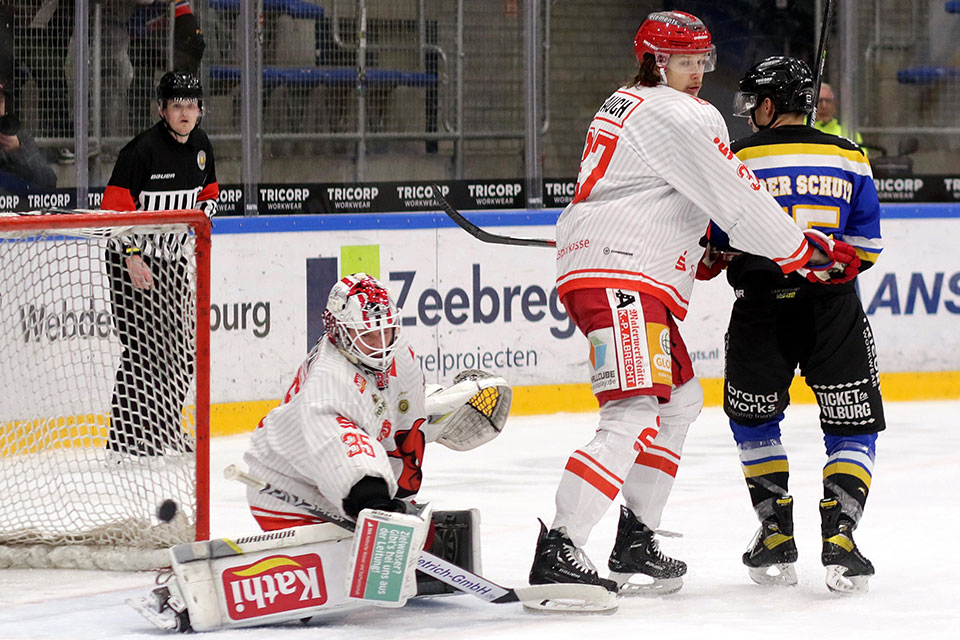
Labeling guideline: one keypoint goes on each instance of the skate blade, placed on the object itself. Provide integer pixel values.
(630, 584)
(839, 582)
(567, 598)
(146, 606)
(783, 574)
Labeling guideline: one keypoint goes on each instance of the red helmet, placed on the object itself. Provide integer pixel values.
(667, 32)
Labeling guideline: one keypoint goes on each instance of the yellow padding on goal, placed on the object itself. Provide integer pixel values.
(89, 431)
(44, 434)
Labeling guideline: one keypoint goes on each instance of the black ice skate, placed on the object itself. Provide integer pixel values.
(557, 560)
(771, 556)
(636, 552)
(848, 571)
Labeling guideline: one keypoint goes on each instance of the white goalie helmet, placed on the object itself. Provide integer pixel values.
(362, 321)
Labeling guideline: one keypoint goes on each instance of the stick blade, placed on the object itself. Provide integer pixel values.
(567, 598)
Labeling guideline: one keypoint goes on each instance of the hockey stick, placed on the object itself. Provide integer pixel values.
(821, 56)
(486, 236)
(593, 598)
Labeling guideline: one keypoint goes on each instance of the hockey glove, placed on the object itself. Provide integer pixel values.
(713, 262)
(371, 493)
(843, 265)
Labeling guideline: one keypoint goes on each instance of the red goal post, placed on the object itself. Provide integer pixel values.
(105, 405)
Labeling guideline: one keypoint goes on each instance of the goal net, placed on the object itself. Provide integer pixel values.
(104, 387)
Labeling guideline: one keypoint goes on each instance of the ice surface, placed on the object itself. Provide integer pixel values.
(909, 531)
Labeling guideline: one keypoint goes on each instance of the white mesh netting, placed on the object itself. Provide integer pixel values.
(97, 412)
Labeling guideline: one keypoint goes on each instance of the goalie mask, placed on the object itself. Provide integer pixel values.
(362, 321)
(664, 33)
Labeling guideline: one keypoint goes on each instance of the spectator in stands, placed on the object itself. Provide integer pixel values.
(43, 29)
(22, 166)
(826, 116)
(148, 29)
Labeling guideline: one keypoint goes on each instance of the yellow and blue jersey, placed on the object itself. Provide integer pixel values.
(821, 180)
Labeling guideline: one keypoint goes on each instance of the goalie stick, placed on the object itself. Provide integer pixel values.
(481, 234)
(546, 597)
(821, 56)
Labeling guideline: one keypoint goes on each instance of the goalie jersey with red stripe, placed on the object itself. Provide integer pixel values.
(655, 169)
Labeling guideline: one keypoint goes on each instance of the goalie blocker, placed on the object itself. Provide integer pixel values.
(317, 570)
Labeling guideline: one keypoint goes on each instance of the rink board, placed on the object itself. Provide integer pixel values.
(468, 304)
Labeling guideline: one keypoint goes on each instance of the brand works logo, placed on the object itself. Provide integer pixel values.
(273, 585)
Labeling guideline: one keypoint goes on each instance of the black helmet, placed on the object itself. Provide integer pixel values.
(788, 82)
(176, 85)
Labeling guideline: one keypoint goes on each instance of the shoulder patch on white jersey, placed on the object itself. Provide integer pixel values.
(618, 107)
(360, 381)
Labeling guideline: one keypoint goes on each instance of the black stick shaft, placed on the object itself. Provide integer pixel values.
(821, 56)
(482, 235)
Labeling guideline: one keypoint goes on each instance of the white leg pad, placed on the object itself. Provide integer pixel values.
(383, 560)
(267, 578)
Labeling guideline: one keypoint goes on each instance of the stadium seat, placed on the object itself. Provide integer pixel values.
(927, 75)
(293, 8)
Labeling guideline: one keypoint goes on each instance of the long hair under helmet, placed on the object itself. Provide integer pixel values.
(667, 32)
(360, 306)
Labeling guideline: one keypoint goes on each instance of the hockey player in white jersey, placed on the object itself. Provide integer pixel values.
(351, 430)
(347, 441)
(655, 169)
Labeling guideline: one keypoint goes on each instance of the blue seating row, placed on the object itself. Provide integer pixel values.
(927, 75)
(293, 8)
(326, 76)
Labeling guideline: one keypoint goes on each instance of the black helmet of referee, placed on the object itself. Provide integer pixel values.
(788, 82)
(177, 85)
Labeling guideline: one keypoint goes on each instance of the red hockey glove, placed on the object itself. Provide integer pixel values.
(843, 265)
(713, 262)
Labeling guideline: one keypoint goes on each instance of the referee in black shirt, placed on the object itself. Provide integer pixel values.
(167, 167)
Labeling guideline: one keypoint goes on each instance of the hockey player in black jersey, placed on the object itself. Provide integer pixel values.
(169, 166)
(780, 322)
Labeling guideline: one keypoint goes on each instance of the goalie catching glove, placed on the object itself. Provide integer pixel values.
(843, 265)
(469, 413)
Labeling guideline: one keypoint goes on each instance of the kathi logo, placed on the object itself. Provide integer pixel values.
(273, 585)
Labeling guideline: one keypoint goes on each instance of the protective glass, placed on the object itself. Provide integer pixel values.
(744, 102)
(700, 62)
